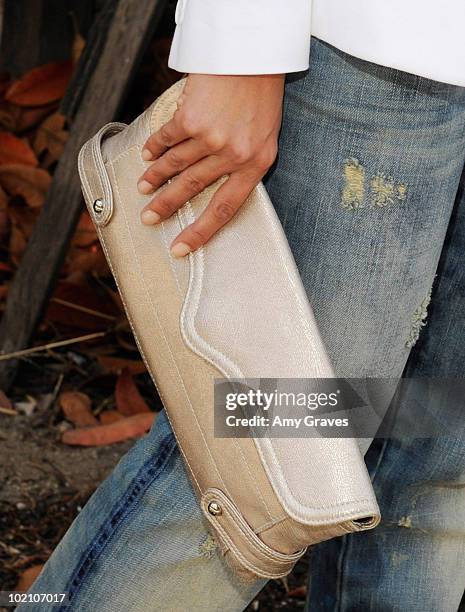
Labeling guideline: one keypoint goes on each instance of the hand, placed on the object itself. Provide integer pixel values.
(224, 125)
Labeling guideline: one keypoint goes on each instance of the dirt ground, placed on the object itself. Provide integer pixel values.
(43, 484)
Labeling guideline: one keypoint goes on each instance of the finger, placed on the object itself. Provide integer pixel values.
(174, 161)
(222, 208)
(185, 186)
(167, 136)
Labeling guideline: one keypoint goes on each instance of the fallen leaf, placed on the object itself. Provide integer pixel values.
(27, 578)
(5, 401)
(128, 399)
(110, 416)
(30, 183)
(18, 119)
(300, 591)
(130, 427)
(22, 219)
(51, 136)
(41, 85)
(116, 364)
(76, 407)
(7, 116)
(26, 118)
(14, 150)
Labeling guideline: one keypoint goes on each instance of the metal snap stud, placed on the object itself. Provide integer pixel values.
(214, 508)
(98, 206)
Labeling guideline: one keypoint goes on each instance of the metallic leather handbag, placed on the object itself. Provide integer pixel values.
(235, 308)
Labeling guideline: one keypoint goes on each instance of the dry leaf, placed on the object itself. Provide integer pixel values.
(27, 118)
(27, 578)
(22, 221)
(51, 136)
(41, 85)
(5, 401)
(14, 150)
(128, 399)
(129, 427)
(116, 364)
(30, 183)
(20, 118)
(110, 416)
(7, 116)
(300, 591)
(76, 407)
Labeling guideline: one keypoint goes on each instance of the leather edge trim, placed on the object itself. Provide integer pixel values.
(256, 556)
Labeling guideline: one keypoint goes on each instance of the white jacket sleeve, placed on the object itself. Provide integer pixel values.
(241, 36)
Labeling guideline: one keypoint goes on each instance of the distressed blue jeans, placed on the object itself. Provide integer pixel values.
(369, 186)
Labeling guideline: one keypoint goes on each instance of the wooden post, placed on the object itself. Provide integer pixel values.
(132, 26)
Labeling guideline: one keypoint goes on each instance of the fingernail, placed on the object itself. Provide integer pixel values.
(144, 187)
(180, 249)
(149, 217)
(146, 155)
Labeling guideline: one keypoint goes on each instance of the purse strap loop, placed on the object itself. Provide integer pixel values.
(97, 187)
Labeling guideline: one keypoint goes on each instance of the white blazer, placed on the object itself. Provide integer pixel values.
(424, 37)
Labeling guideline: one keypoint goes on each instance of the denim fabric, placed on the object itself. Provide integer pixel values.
(369, 168)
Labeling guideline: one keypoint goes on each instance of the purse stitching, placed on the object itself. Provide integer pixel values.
(171, 258)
